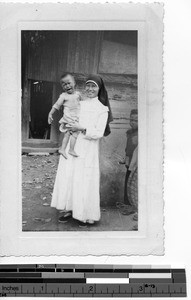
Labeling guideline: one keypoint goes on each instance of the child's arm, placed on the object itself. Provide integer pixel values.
(55, 107)
(126, 155)
(50, 118)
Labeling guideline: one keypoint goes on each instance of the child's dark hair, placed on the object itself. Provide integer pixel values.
(134, 112)
(66, 74)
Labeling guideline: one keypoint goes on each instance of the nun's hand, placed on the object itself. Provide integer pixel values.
(76, 128)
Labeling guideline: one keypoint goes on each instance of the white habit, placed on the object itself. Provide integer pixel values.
(77, 184)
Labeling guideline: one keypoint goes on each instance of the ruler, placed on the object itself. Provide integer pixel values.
(64, 280)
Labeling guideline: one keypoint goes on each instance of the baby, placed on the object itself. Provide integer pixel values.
(70, 100)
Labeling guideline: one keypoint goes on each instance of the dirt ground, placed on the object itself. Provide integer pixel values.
(38, 175)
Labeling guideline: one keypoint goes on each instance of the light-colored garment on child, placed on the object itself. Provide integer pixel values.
(71, 109)
(77, 184)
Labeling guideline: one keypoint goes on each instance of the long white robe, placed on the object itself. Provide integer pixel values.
(77, 184)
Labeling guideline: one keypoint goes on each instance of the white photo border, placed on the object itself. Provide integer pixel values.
(147, 19)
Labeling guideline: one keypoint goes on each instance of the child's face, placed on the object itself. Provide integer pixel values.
(134, 121)
(68, 84)
(92, 90)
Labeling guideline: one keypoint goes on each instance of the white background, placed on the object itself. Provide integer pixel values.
(177, 165)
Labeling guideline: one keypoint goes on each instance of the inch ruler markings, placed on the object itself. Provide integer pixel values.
(59, 280)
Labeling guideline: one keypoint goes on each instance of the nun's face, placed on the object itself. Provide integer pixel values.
(91, 89)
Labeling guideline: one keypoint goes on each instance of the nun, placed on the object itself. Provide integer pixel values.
(77, 183)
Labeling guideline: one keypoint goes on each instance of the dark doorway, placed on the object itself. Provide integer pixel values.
(40, 105)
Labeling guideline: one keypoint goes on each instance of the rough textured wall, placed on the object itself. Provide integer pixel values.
(118, 58)
(112, 173)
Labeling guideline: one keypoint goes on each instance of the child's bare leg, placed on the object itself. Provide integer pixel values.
(65, 141)
(72, 145)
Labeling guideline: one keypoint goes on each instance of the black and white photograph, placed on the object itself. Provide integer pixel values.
(95, 150)
(83, 154)
(79, 130)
